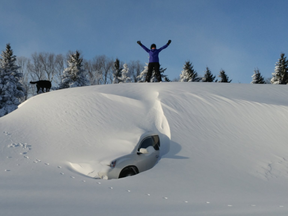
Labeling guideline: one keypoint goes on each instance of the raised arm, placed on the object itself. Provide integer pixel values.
(165, 46)
(144, 47)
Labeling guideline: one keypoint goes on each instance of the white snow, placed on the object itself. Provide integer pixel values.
(224, 151)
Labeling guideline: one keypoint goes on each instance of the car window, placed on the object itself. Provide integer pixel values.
(146, 143)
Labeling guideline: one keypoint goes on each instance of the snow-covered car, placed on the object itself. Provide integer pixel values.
(144, 156)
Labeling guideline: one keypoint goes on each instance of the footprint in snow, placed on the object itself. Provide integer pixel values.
(47, 164)
(36, 161)
(12, 145)
(7, 170)
(59, 167)
(26, 157)
(21, 145)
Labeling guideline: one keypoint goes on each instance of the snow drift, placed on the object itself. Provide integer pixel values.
(224, 150)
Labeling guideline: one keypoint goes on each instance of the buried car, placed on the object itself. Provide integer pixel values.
(144, 156)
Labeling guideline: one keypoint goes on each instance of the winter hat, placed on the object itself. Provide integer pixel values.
(153, 45)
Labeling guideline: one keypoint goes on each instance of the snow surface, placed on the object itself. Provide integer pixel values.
(224, 150)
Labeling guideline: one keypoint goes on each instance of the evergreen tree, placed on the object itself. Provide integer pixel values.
(208, 76)
(223, 77)
(143, 74)
(124, 74)
(189, 74)
(11, 89)
(74, 75)
(257, 78)
(117, 71)
(165, 77)
(280, 75)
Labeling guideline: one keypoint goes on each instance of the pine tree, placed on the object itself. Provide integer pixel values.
(189, 74)
(11, 89)
(257, 78)
(124, 74)
(117, 71)
(223, 77)
(142, 76)
(280, 75)
(208, 76)
(163, 76)
(74, 75)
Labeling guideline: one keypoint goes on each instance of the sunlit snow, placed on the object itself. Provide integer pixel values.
(224, 150)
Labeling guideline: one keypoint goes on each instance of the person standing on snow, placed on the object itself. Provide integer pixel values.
(153, 60)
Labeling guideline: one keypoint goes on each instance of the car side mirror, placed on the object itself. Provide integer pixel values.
(142, 151)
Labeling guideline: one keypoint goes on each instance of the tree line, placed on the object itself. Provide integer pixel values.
(279, 76)
(73, 71)
(57, 68)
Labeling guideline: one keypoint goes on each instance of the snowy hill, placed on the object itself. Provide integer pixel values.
(223, 146)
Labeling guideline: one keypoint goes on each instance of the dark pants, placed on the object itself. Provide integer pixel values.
(156, 67)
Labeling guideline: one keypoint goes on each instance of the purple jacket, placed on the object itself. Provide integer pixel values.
(153, 53)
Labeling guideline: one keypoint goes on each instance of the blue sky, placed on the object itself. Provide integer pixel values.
(234, 35)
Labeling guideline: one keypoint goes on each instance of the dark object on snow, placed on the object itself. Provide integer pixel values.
(154, 53)
(153, 60)
(41, 84)
(156, 67)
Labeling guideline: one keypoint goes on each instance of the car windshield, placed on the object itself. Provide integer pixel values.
(146, 143)
(150, 141)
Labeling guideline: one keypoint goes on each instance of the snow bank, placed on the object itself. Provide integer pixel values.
(223, 150)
